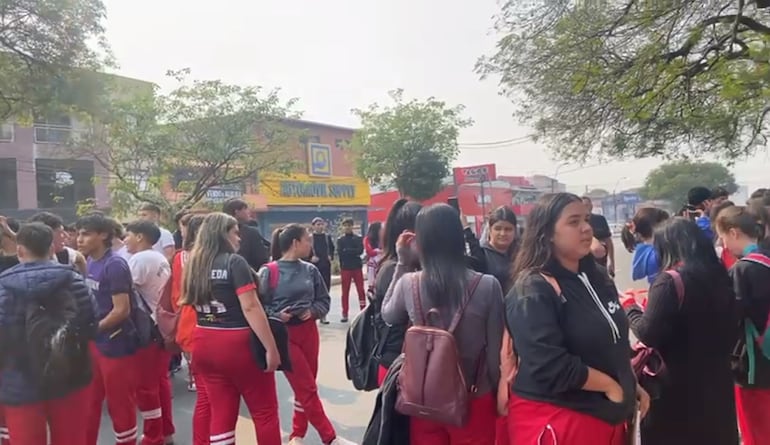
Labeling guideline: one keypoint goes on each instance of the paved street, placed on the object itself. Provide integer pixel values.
(348, 409)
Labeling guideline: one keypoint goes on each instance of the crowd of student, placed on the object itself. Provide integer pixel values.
(98, 314)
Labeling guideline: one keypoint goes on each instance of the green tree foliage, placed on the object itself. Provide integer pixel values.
(409, 145)
(45, 57)
(172, 149)
(637, 78)
(672, 181)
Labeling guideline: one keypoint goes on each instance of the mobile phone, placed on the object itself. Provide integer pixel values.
(454, 202)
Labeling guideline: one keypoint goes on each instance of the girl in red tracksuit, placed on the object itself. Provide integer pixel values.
(299, 299)
(741, 233)
(574, 384)
(219, 284)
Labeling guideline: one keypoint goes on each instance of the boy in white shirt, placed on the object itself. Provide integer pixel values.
(165, 243)
(150, 271)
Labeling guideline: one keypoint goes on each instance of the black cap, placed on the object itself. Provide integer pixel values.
(697, 195)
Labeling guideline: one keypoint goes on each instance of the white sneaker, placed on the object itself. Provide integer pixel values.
(296, 441)
(341, 441)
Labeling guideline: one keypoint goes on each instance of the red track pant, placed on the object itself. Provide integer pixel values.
(382, 372)
(753, 410)
(304, 344)
(202, 413)
(4, 437)
(224, 363)
(115, 380)
(479, 430)
(153, 394)
(501, 433)
(541, 423)
(29, 423)
(358, 277)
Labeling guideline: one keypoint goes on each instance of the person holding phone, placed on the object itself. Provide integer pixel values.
(298, 296)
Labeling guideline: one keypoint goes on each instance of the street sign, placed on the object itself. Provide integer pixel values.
(474, 174)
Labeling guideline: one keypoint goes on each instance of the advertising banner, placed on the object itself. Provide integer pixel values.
(305, 190)
(474, 174)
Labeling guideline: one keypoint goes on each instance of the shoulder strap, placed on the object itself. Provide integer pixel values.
(757, 258)
(553, 282)
(419, 314)
(470, 290)
(272, 267)
(678, 284)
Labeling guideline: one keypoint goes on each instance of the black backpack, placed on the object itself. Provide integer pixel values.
(56, 350)
(362, 351)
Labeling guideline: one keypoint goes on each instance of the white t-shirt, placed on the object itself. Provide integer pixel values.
(71, 256)
(166, 240)
(150, 271)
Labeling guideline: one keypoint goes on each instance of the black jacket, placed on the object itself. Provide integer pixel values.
(392, 335)
(350, 247)
(558, 337)
(386, 426)
(252, 247)
(751, 282)
(323, 247)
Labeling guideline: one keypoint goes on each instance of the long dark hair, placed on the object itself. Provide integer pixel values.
(211, 241)
(536, 249)
(284, 237)
(680, 243)
(401, 217)
(440, 240)
(373, 234)
(642, 225)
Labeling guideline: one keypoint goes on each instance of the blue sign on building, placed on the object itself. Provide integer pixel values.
(319, 160)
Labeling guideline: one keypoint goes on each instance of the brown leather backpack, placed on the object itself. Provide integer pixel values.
(431, 384)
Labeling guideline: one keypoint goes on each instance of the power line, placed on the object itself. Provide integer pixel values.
(495, 144)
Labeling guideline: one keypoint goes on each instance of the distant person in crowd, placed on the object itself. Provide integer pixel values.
(38, 402)
(220, 285)
(166, 244)
(742, 232)
(690, 319)
(698, 209)
(445, 283)
(252, 249)
(61, 253)
(605, 254)
(151, 271)
(8, 229)
(322, 253)
(761, 196)
(177, 234)
(498, 249)
(718, 195)
(574, 384)
(401, 218)
(727, 258)
(350, 248)
(116, 345)
(373, 251)
(637, 236)
(255, 224)
(72, 236)
(298, 299)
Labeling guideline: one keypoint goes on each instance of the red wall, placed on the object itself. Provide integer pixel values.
(329, 135)
(467, 197)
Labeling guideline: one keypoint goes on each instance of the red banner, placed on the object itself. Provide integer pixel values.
(475, 174)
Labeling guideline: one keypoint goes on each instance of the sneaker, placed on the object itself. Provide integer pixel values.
(169, 440)
(344, 319)
(296, 441)
(191, 387)
(324, 321)
(341, 441)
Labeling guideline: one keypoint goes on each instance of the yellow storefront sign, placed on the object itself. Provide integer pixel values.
(300, 190)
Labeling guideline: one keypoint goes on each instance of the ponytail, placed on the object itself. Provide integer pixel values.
(275, 247)
(628, 237)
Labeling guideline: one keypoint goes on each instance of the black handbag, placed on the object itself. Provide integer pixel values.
(281, 336)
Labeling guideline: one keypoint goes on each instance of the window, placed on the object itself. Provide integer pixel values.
(6, 132)
(62, 183)
(141, 179)
(310, 139)
(52, 130)
(9, 198)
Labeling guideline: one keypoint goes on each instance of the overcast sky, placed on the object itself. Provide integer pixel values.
(335, 55)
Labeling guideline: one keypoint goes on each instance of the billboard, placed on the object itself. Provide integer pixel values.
(474, 174)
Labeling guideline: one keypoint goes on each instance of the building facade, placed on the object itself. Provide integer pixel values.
(38, 172)
(324, 185)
